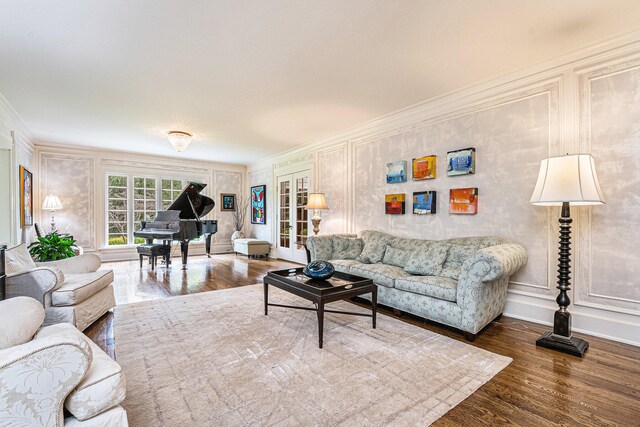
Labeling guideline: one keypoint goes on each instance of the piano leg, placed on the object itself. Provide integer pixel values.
(184, 248)
(207, 241)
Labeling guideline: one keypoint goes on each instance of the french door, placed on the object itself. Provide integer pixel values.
(293, 218)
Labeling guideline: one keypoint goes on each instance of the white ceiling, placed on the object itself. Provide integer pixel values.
(252, 78)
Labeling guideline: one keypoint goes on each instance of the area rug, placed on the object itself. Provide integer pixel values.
(214, 358)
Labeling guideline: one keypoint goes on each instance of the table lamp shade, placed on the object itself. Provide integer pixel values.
(571, 178)
(317, 201)
(51, 202)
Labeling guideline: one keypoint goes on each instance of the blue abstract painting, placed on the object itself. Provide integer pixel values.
(424, 202)
(397, 172)
(461, 162)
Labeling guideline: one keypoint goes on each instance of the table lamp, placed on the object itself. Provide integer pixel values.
(52, 202)
(564, 181)
(316, 202)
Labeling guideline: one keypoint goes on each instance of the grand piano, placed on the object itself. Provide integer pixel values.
(182, 221)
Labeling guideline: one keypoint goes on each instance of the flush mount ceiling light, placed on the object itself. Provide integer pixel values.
(180, 140)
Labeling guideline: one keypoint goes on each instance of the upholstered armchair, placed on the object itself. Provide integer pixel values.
(71, 290)
(56, 368)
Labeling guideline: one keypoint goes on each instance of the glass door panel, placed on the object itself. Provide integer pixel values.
(302, 220)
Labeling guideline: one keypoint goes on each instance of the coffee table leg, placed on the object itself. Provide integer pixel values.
(374, 305)
(320, 311)
(266, 298)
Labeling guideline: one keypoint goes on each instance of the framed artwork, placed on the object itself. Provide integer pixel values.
(259, 204)
(227, 202)
(424, 202)
(461, 162)
(26, 197)
(463, 201)
(424, 168)
(394, 204)
(397, 172)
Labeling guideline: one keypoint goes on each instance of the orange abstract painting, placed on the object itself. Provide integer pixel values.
(463, 201)
(424, 168)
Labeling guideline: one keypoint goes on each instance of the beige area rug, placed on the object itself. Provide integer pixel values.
(214, 359)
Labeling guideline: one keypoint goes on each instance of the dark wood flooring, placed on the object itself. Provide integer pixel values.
(539, 388)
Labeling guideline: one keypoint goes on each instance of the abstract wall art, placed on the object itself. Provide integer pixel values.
(259, 204)
(397, 172)
(463, 201)
(227, 202)
(461, 162)
(394, 204)
(26, 197)
(424, 202)
(424, 168)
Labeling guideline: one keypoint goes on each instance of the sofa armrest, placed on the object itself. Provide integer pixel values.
(86, 263)
(495, 262)
(321, 247)
(37, 283)
(37, 377)
(483, 283)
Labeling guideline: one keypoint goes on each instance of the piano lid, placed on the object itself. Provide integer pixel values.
(190, 203)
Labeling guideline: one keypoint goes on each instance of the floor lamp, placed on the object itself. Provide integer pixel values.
(564, 181)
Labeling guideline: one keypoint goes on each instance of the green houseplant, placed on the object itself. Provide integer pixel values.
(52, 247)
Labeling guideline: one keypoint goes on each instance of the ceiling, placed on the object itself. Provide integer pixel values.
(251, 78)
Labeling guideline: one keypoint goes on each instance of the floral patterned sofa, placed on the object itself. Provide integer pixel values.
(459, 282)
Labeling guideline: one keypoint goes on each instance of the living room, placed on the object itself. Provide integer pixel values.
(464, 170)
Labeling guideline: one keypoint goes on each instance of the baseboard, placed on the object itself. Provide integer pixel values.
(130, 253)
(611, 325)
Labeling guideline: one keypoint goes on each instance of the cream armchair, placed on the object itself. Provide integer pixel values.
(72, 290)
(58, 368)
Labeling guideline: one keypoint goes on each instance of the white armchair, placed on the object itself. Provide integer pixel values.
(71, 290)
(57, 369)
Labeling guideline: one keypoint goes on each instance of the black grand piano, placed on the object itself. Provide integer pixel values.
(182, 221)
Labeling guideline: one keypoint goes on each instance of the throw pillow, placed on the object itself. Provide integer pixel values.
(346, 247)
(20, 318)
(428, 261)
(395, 256)
(375, 244)
(457, 255)
(18, 260)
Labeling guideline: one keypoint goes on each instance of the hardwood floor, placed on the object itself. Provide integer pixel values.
(540, 387)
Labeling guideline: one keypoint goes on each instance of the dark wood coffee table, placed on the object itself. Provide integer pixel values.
(340, 286)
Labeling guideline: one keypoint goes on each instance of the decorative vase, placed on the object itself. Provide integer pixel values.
(236, 235)
(319, 270)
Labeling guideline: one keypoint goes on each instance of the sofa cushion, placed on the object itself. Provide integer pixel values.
(375, 243)
(346, 248)
(76, 288)
(18, 260)
(102, 387)
(321, 247)
(381, 274)
(456, 256)
(396, 256)
(344, 265)
(428, 261)
(20, 318)
(432, 286)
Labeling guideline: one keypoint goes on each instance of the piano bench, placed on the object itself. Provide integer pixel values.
(154, 250)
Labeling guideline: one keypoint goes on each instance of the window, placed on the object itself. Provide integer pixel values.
(171, 189)
(117, 210)
(132, 199)
(144, 203)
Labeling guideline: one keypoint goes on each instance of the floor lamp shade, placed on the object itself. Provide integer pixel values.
(567, 179)
(564, 181)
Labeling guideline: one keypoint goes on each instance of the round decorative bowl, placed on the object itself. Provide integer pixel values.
(319, 270)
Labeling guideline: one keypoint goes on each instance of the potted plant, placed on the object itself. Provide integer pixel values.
(52, 247)
(239, 215)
